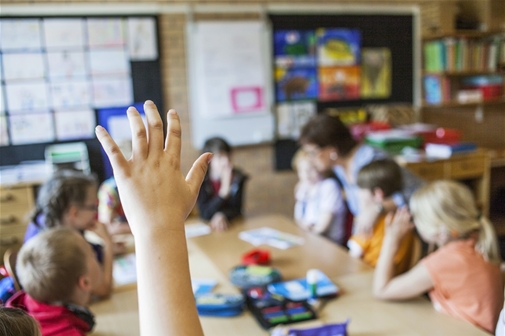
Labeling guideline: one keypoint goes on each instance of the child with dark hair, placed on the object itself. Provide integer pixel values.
(69, 199)
(220, 197)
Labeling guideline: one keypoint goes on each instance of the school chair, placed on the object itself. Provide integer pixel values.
(10, 257)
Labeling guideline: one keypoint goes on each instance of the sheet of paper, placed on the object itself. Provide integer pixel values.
(109, 61)
(124, 269)
(142, 39)
(20, 34)
(66, 64)
(272, 237)
(75, 124)
(64, 33)
(112, 92)
(4, 136)
(197, 229)
(105, 32)
(2, 100)
(23, 66)
(29, 128)
(70, 93)
(26, 96)
(291, 117)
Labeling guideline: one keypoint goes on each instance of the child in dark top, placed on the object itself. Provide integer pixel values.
(58, 271)
(220, 197)
(69, 199)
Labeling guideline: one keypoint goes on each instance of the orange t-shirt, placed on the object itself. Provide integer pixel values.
(372, 247)
(465, 285)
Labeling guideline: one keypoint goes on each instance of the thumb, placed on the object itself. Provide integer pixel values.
(389, 219)
(197, 172)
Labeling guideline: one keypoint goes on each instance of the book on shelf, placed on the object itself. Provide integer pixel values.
(445, 151)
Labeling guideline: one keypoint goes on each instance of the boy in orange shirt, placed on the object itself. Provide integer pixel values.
(377, 181)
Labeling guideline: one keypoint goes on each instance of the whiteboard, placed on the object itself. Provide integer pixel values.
(230, 81)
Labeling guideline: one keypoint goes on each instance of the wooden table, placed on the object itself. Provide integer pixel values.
(212, 256)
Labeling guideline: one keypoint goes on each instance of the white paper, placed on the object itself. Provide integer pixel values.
(142, 39)
(112, 92)
(75, 124)
(66, 64)
(64, 33)
(272, 237)
(70, 93)
(20, 34)
(197, 229)
(105, 32)
(4, 136)
(291, 117)
(31, 128)
(2, 100)
(109, 61)
(26, 96)
(230, 68)
(23, 66)
(124, 269)
(1, 69)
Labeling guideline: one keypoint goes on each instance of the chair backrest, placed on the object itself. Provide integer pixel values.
(10, 257)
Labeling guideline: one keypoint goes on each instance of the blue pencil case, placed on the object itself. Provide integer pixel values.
(219, 305)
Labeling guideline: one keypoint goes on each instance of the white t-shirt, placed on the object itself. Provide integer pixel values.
(500, 326)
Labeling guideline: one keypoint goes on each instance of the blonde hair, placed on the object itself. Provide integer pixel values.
(450, 206)
(50, 264)
(16, 322)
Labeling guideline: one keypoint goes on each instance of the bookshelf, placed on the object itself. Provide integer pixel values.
(464, 68)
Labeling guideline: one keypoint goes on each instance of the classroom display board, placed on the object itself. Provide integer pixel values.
(230, 85)
(57, 72)
(337, 61)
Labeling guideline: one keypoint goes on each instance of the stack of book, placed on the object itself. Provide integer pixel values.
(444, 151)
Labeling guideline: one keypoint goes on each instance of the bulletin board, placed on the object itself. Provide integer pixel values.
(57, 72)
(230, 81)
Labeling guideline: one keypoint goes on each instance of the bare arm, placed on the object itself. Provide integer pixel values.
(405, 286)
(323, 223)
(105, 287)
(157, 199)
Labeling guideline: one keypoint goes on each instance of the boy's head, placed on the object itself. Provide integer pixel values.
(68, 198)
(380, 178)
(16, 322)
(222, 153)
(58, 265)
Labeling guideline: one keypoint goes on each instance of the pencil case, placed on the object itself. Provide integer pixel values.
(219, 305)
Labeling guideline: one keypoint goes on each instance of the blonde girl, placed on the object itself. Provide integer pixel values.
(462, 275)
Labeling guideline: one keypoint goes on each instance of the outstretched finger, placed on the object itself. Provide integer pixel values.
(173, 141)
(139, 133)
(197, 172)
(117, 159)
(154, 127)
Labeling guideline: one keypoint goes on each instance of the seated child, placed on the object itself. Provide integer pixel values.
(378, 181)
(16, 322)
(220, 197)
(69, 199)
(463, 276)
(319, 206)
(57, 270)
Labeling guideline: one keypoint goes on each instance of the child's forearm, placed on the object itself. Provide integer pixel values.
(105, 287)
(384, 269)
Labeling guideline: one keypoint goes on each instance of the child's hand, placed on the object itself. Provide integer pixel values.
(399, 224)
(226, 176)
(155, 195)
(219, 222)
(364, 222)
(100, 229)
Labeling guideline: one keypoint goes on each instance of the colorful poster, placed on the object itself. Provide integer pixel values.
(338, 47)
(339, 83)
(106, 32)
(296, 83)
(109, 61)
(75, 124)
(20, 34)
(66, 64)
(4, 136)
(31, 128)
(112, 92)
(26, 96)
(376, 73)
(64, 33)
(70, 93)
(23, 66)
(142, 39)
(291, 117)
(295, 48)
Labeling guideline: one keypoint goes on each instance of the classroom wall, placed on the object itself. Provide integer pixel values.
(267, 190)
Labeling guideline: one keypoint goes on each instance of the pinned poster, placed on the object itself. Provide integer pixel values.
(4, 136)
(295, 48)
(29, 128)
(20, 34)
(142, 39)
(109, 61)
(105, 32)
(376, 73)
(295, 83)
(291, 117)
(70, 93)
(339, 83)
(66, 64)
(338, 47)
(64, 33)
(23, 66)
(26, 96)
(111, 92)
(75, 124)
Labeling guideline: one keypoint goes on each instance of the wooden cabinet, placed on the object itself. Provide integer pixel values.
(16, 203)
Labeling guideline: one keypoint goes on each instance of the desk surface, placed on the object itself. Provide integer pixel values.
(212, 256)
